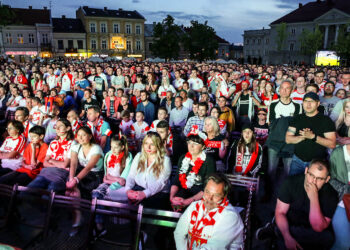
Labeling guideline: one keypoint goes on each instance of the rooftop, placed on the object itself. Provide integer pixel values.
(67, 25)
(313, 10)
(105, 12)
(31, 16)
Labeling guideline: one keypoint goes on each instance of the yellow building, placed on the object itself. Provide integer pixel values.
(115, 33)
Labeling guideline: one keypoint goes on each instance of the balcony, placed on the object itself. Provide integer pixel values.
(46, 47)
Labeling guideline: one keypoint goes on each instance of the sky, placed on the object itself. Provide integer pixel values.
(229, 18)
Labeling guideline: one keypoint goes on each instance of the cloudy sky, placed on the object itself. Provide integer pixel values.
(228, 17)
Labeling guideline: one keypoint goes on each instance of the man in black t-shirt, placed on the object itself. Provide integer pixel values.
(87, 103)
(312, 133)
(305, 205)
(125, 105)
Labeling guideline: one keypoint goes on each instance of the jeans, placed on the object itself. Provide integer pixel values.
(341, 226)
(273, 160)
(298, 166)
(43, 183)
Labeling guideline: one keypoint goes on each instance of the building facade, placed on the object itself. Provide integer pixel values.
(69, 37)
(329, 16)
(118, 33)
(29, 34)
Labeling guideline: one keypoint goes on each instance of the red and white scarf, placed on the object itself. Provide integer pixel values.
(187, 181)
(239, 161)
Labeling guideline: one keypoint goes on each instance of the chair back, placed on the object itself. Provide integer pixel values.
(7, 196)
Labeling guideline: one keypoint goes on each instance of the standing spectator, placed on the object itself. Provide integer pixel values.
(186, 102)
(344, 84)
(312, 134)
(298, 94)
(342, 125)
(197, 122)
(165, 87)
(319, 80)
(328, 100)
(146, 107)
(87, 103)
(226, 114)
(196, 84)
(178, 115)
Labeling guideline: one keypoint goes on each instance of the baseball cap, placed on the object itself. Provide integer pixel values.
(62, 92)
(312, 95)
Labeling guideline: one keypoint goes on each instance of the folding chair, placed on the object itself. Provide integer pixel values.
(160, 218)
(252, 185)
(8, 194)
(121, 211)
(60, 204)
(31, 221)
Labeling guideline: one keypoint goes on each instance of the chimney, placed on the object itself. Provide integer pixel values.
(300, 5)
(63, 16)
(30, 7)
(105, 8)
(45, 8)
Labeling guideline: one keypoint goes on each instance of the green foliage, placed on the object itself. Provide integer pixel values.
(7, 16)
(167, 36)
(311, 42)
(201, 41)
(342, 46)
(281, 35)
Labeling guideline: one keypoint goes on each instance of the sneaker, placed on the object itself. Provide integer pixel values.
(266, 232)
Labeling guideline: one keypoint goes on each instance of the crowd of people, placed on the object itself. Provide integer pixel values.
(165, 135)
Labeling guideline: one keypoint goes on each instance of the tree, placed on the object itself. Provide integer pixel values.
(167, 36)
(7, 15)
(201, 41)
(342, 46)
(281, 35)
(311, 42)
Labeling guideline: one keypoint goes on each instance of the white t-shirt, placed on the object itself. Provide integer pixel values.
(195, 83)
(297, 97)
(139, 86)
(50, 133)
(139, 131)
(51, 80)
(14, 100)
(37, 113)
(10, 145)
(178, 82)
(84, 160)
(66, 82)
(163, 89)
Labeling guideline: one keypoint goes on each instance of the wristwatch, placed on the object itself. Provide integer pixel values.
(314, 139)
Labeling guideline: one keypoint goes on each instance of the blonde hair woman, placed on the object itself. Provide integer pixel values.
(343, 124)
(149, 175)
(216, 144)
(165, 87)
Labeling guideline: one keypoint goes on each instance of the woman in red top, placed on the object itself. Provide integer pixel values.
(20, 79)
(268, 95)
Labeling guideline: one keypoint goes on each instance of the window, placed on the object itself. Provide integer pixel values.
(247, 41)
(266, 52)
(31, 38)
(293, 31)
(8, 38)
(93, 44)
(253, 41)
(103, 44)
(291, 47)
(70, 44)
(20, 38)
(223, 52)
(150, 46)
(116, 28)
(92, 27)
(45, 38)
(103, 28)
(128, 45)
(253, 52)
(60, 44)
(259, 41)
(138, 45)
(138, 29)
(80, 44)
(258, 51)
(267, 41)
(128, 29)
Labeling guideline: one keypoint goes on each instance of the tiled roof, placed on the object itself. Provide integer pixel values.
(120, 13)
(31, 16)
(313, 10)
(67, 25)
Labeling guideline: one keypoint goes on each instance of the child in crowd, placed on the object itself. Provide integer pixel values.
(73, 118)
(33, 159)
(38, 112)
(50, 134)
(111, 103)
(261, 127)
(139, 129)
(117, 164)
(216, 112)
(11, 150)
(125, 127)
(162, 116)
(163, 130)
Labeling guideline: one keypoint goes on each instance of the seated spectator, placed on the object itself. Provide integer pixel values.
(216, 112)
(178, 115)
(193, 168)
(162, 115)
(13, 102)
(38, 113)
(22, 115)
(50, 133)
(305, 206)
(117, 163)
(168, 102)
(139, 130)
(225, 227)
(87, 103)
(163, 130)
(340, 181)
(197, 121)
(99, 127)
(146, 107)
(125, 105)
(33, 159)
(111, 103)
(85, 172)
(216, 144)
(73, 117)
(11, 150)
(245, 155)
(341, 93)
(149, 175)
(56, 164)
(342, 125)
(226, 114)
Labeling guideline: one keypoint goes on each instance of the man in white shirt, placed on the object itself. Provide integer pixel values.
(196, 83)
(211, 223)
(178, 82)
(298, 94)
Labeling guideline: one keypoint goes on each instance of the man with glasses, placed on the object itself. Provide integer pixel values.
(305, 205)
(312, 134)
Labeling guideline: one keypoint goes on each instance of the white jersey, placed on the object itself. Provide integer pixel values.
(297, 97)
(178, 83)
(52, 81)
(10, 145)
(154, 125)
(37, 113)
(125, 127)
(139, 131)
(195, 83)
(66, 81)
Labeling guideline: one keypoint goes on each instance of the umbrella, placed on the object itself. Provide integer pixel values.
(95, 59)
